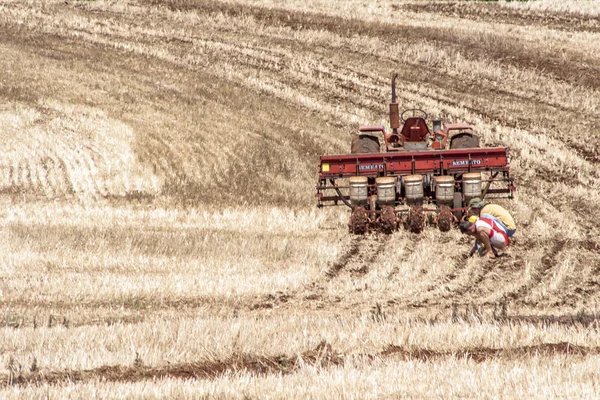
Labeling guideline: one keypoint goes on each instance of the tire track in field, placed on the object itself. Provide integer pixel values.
(486, 282)
(314, 291)
(444, 287)
(323, 356)
(487, 12)
(407, 300)
(361, 254)
(588, 286)
(506, 278)
(347, 256)
(408, 250)
(529, 288)
(547, 265)
(573, 287)
(311, 79)
(457, 286)
(488, 288)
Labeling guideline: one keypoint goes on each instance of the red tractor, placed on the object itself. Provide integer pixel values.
(423, 176)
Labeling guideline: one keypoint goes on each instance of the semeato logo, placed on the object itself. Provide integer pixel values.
(370, 166)
(465, 162)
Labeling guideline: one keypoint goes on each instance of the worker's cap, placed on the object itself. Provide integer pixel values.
(473, 218)
(476, 203)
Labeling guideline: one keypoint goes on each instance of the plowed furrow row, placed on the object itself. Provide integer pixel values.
(536, 277)
(450, 287)
(369, 254)
(57, 176)
(568, 279)
(407, 251)
(323, 357)
(349, 254)
(42, 174)
(565, 21)
(509, 52)
(90, 173)
(466, 293)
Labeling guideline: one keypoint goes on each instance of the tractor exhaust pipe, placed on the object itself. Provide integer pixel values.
(394, 76)
(394, 112)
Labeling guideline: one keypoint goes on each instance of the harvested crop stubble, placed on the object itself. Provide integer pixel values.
(157, 184)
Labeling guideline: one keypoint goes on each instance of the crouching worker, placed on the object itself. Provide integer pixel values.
(488, 233)
(495, 212)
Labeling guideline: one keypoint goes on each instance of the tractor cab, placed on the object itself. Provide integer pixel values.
(415, 130)
(414, 134)
(411, 133)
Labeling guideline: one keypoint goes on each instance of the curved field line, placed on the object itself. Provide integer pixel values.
(90, 173)
(323, 356)
(457, 292)
(95, 157)
(57, 175)
(351, 252)
(548, 263)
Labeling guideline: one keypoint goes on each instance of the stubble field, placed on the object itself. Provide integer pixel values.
(159, 230)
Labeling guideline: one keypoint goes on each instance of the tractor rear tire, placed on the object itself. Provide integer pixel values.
(464, 141)
(365, 144)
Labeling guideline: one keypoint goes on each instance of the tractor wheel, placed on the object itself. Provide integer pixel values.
(365, 144)
(464, 141)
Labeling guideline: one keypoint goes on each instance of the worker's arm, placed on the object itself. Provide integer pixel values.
(484, 238)
(473, 249)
